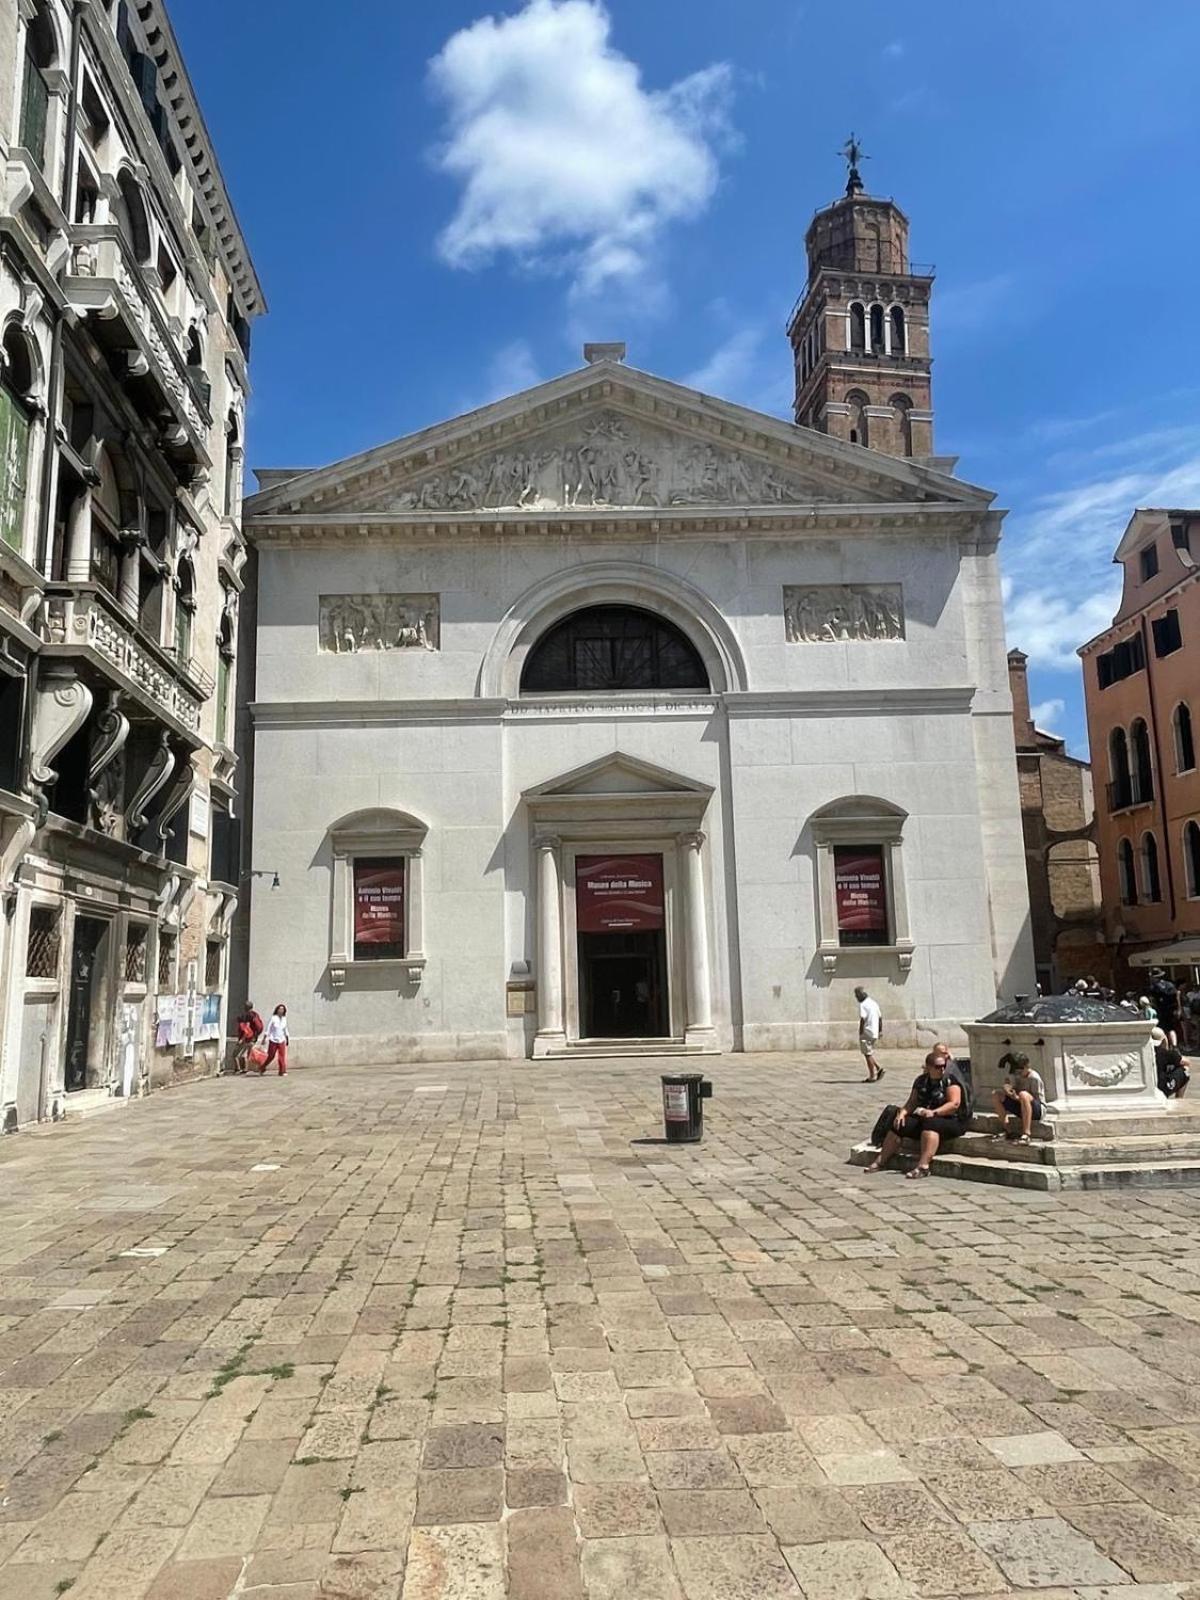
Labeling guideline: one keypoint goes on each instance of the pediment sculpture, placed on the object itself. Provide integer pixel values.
(612, 461)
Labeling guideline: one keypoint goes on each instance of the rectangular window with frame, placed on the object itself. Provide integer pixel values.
(35, 111)
(212, 965)
(860, 885)
(136, 942)
(1149, 562)
(1167, 635)
(14, 468)
(380, 885)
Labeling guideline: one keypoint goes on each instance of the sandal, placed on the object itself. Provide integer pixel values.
(876, 1166)
(918, 1172)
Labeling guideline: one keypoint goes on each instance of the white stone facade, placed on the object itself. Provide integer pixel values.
(883, 721)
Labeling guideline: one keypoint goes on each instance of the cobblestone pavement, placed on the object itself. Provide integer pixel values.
(453, 1334)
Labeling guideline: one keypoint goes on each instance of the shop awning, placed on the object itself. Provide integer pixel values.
(1183, 953)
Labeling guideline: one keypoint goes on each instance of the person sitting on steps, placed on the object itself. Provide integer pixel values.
(938, 1108)
(1023, 1096)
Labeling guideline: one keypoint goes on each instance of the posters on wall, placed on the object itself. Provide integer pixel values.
(378, 909)
(619, 894)
(861, 894)
(183, 1019)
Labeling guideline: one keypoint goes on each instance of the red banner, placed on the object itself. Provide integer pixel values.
(378, 903)
(619, 894)
(861, 895)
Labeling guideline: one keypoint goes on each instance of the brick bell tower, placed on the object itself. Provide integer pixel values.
(860, 330)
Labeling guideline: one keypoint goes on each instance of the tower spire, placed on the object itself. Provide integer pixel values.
(853, 153)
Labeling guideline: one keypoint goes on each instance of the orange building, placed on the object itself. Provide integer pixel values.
(1142, 689)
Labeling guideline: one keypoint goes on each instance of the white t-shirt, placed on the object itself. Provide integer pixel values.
(870, 1018)
(277, 1030)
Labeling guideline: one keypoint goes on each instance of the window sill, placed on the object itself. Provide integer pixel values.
(410, 966)
(831, 953)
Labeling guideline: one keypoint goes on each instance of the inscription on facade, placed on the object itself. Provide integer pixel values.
(831, 613)
(611, 461)
(350, 623)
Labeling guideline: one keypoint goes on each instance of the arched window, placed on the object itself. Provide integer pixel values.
(185, 609)
(17, 378)
(899, 333)
(108, 506)
(40, 57)
(610, 648)
(130, 211)
(233, 465)
(1151, 884)
(858, 327)
(1125, 875)
(1185, 744)
(225, 655)
(858, 402)
(1143, 770)
(877, 334)
(195, 350)
(901, 409)
(1191, 858)
(1118, 759)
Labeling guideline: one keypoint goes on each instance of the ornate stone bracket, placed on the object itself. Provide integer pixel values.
(60, 708)
(177, 798)
(14, 852)
(112, 730)
(162, 764)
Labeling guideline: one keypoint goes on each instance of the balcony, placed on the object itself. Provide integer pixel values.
(1124, 793)
(82, 619)
(105, 284)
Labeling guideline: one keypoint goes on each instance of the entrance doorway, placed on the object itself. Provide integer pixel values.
(620, 918)
(85, 982)
(622, 985)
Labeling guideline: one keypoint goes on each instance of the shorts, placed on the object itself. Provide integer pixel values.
(946, 1127)
(1173, 1079)
(867, 1045)
(1013, 1106)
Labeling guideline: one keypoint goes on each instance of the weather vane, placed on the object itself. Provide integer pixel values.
(853, 152)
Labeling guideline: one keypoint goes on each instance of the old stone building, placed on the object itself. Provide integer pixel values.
(126, 296)
(628, 718)
(1142, 688)
(1058, 819)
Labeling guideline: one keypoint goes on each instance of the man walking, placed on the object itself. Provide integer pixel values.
(870, 1025)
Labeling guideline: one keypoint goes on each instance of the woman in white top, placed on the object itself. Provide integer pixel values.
(277, 1040)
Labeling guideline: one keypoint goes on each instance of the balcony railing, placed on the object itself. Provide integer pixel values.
(106, 281)
(83, 616)
(1135, 790)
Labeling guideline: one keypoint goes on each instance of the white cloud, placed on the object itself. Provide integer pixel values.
(512, 368)
(566, 160)
(964, 307)
(1050, 625)
(730, 364)
(1047, 714)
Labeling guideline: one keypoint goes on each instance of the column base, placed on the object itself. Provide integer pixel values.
(548, 1043)
(702, 1039)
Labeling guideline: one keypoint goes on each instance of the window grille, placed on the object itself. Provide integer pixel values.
(212, 965)
(45, 942)
(166, 963)
(135, 954)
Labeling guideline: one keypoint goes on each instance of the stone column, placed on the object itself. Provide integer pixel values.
(129, 574)
(79, 538)
(551, 1033)
(699, 1020)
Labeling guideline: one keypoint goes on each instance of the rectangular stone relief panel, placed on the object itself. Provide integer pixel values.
(833, 613)
(351, 623)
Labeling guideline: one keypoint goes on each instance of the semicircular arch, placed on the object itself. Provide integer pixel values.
(610, 583)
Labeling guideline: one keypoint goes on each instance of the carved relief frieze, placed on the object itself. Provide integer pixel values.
(609, 460)
(833, 613)
(352, 623)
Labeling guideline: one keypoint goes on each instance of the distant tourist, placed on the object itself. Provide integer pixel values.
(870, 1026)
(1165, 998)
(249, 1028)
(939, 1107)
(1023, 1097)
(1146, 1010)
(277, 1040)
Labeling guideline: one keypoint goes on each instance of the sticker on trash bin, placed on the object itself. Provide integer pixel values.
(675, 1102)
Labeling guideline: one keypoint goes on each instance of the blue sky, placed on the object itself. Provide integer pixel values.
(443, 202)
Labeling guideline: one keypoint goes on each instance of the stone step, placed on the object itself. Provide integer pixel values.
(589, 1049)
(1169, 1145)
(1177, 1116)
(1047, 1178)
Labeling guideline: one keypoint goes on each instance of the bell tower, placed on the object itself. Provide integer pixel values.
(860, 331)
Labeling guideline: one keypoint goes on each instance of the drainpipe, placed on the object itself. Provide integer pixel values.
(1162, 786)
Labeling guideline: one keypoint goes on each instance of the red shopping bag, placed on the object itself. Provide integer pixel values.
(259, 1055)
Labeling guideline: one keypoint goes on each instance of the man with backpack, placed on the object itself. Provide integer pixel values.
(249, 1028)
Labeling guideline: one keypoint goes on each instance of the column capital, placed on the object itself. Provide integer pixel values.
(692, 840)
(546, 841)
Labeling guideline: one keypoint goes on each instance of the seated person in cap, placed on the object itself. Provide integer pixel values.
(1172, 1071)
(939, 1107)
(1023, 1096)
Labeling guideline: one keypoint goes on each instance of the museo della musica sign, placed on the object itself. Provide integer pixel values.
(619, 894)
(861, 895)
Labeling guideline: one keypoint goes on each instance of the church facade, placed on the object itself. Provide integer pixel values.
(614, 716)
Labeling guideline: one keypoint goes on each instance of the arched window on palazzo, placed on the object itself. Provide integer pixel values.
(17, 410)
(1191, 858)
(1151, 880)
(611, 648)
(1125, 873)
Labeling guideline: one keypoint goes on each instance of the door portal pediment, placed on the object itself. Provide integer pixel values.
(619, 774)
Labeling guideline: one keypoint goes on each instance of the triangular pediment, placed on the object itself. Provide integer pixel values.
(605, 438)
(617, 773)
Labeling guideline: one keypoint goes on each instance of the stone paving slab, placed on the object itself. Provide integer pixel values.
(333, 1337)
